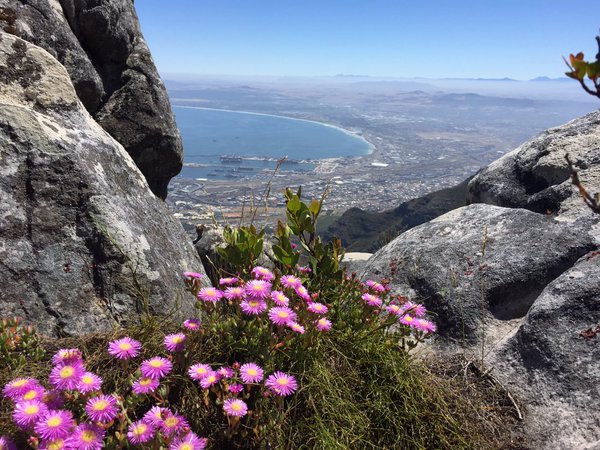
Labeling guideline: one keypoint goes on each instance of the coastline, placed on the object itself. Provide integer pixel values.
(371, 146)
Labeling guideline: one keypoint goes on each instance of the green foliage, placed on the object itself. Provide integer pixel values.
(19, 343)
(323, 259)
(243, 246)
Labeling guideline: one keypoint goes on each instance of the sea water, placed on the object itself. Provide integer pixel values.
(222, 144)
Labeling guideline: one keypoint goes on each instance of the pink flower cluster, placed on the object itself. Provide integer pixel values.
(232, 380)
(255, 297)
(408, 313)
(159, 421)
(41, 413)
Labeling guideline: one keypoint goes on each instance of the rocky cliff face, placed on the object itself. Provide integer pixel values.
(84, 244)
(514, 280)
(100, 44)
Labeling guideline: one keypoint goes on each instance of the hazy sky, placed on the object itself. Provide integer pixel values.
(519, 39)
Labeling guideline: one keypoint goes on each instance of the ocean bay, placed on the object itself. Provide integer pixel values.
(221, 144)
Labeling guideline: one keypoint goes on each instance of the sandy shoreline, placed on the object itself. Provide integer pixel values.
(343, 130)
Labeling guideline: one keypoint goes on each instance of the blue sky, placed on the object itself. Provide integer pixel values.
(389, 38)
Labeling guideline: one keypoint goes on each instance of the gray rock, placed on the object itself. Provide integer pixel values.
(84, 244)
(101, 45)
(552, 367)
(480, 267)
(536, 175)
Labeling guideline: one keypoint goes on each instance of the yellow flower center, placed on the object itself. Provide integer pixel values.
(100, 405)
(145, 381)
(186, 446)
(156, 363)
(236, 406)
(56, 445)
(171, 422)
(252, 372)
(67, 372)
(253, 303)
(177, 339)
(211, 379)
(282, 381)
(88, 436)
(125, 346)
(54, 421)
(283, 314)
(86, 379)
(30, 395)
(140, 429)
(408, 318)
(32, 409)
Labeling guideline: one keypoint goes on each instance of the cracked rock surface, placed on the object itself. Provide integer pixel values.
(101, 45)
(84, 244)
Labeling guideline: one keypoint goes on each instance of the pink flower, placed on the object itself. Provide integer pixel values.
(124, 348)
(210, 294)
(140, 432)
(251, 373)
(155, 416)
(210, 379)
(192, 324)
(377, 287)
(102, 408)
(16, 388)
(199, 371)
(235, 292)
(394, 309)
(262, 273)
(228, 281)
(294, 326)
(145, 385)
(317, 308)
(281, 315)
(235, 388)
(281, 383)
(302, 292)
(280, 298)
(55, 424)
(174, 342)
(28, 412)
(89, 382)
(258, 289)
(173, 424)
(407, 320)
(414, 309)
(193, 275)
(253, 306)
(225, 372)
(35, 393)
(87, 437)
(372, 300)
(425, 326)
(323, 324)
(235, 407)
(190, 441)
(156, 367)
(67, 356)
(290, 281)
(53, 399)
(66, 377)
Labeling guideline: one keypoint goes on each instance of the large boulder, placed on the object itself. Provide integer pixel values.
(480, 267)
(536, 175)
(101, 45)
(84, 244)
(552, 362)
